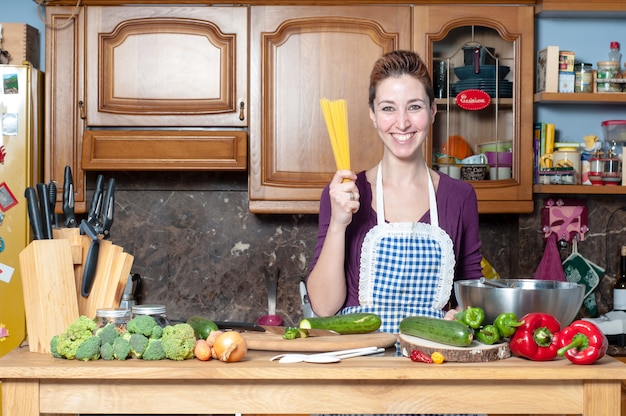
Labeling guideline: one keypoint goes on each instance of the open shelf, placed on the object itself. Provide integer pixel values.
(581, 97)
(579, 189)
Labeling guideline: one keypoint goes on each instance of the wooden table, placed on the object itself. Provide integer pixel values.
(34, 383)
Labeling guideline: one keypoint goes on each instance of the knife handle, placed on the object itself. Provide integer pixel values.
(33, 212)
(96, 202)
(89, 273)
(44, 204)
(52, 200)
(108, 209)
(68, 198)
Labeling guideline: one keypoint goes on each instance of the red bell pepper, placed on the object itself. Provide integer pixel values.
(583, 343)
(537, 338)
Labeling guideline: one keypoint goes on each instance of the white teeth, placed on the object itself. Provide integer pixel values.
(402, 137)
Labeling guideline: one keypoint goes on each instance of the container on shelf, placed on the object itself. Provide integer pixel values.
(116, 316)
(607, 70)
(158, 312)
(614, 130)
(583, 73)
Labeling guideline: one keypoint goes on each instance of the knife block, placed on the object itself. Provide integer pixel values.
(49, 290)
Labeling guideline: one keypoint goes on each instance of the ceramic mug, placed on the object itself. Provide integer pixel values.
(499, 173)
(452, 171)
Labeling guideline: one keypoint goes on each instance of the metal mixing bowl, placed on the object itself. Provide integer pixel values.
(521, 296)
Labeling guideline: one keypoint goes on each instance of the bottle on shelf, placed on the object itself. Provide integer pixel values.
(619, 291)
(615, 55)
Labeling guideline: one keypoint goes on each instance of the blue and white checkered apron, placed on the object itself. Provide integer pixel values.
(407, 269)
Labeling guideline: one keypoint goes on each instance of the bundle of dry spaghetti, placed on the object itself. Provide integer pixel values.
(336, 116)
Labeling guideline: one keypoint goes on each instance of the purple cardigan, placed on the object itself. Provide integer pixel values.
(458, 216)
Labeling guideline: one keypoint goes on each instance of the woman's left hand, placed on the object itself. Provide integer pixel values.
(450, 314)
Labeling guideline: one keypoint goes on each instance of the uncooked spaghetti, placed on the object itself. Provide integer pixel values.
(336, 116)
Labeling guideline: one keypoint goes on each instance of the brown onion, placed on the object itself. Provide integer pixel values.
(230, 347)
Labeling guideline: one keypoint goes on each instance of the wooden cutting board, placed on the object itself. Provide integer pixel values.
(475, 352)
(273, 342)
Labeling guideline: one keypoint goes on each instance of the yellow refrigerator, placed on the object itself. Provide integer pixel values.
(21, 161)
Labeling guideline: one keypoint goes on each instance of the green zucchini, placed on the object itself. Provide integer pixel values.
(202, 326)
(444, 331)
(351, 323)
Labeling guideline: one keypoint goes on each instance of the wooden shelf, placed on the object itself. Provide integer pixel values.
(507, 102)
(618, 98)
(579, 189)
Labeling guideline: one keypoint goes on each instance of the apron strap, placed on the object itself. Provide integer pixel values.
(380, 206)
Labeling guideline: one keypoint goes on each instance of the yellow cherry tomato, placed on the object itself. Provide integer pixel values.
(437, 357)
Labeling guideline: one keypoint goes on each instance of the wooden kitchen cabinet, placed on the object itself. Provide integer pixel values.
(299, 55)
(146, 88)
(441, 33)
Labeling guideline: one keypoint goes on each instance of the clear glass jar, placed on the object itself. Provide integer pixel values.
(158, 312)
(608, 70)
(116, 316)
(583, 77)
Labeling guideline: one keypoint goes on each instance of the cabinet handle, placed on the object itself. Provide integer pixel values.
(81, 109)
(241, 111)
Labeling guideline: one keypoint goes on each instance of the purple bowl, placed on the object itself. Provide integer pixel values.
(499, 158)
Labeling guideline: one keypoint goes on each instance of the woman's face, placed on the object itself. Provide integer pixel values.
(402, 114)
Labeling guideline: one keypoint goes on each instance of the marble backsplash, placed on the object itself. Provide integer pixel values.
(199, 250)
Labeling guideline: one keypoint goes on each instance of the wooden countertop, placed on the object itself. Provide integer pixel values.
(255, 385)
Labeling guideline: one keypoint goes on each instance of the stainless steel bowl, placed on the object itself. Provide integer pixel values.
(559, 299)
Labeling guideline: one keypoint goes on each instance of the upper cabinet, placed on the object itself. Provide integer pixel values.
(299, 55)
(480, 58)
(150, 88)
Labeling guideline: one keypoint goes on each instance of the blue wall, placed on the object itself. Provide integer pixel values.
(25, 11)
(589, 39)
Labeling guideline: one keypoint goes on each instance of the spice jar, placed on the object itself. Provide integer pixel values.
(607, 70)
(116, 316)
(583, 77)
(158, 312)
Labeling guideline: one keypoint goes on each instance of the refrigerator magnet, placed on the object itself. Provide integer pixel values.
(7, 199)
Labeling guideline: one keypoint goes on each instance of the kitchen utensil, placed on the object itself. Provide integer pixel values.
(559, 299)
(478, 54)
(271, 282)
(95, 209)
(52, 200)
(33, 213)
(272, 329)
(493, 283)
(68, 199)
(305, 305)
(44, 206)
(265, 341)
(91, 262)
(326, 357)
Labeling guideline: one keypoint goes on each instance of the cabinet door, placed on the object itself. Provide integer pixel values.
(166, 66)
(503, 37)
(63, 132)
(299, 55)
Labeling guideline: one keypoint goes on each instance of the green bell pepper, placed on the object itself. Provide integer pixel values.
(488, 334)
(507, 324)
(471, 316)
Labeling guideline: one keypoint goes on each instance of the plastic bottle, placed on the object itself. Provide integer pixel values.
(615, 55)
(619, 291)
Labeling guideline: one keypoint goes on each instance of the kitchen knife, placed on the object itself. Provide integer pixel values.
(44, 206)
(278, 330)
(91, 262)
(33, 212)
(95, 209)
(108, 207)
(52, 200)
(68, 199)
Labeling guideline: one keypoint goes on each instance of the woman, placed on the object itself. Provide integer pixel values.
(393, 239)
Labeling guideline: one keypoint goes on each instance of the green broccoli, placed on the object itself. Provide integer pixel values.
(106, 351)
(178, 341)
(141, 324)
(154, 350)
(157, 332)
(107, 333)
(78, 331)
(121, 348)
(138, 344)
(53, 347)
(89, 349)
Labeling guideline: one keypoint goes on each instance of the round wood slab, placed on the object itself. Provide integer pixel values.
(475, 352)
(272, 342)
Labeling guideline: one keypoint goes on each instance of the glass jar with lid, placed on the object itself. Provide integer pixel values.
(583, 77)
(158, 312)
(116, 316)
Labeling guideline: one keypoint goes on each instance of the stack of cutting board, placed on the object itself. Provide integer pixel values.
(52, 273)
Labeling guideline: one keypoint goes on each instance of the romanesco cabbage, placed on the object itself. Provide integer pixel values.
(76, 333)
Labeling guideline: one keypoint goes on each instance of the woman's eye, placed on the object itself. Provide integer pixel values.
(415, 107)
(387, 109)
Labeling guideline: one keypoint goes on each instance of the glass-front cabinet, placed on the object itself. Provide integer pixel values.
(481, 59)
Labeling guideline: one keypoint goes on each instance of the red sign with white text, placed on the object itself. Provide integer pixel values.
(473, 100)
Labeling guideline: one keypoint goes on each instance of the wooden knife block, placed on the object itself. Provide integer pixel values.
(52, 274)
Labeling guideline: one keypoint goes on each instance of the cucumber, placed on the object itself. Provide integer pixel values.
(351, 323)
(444, 331)
(202, 326)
